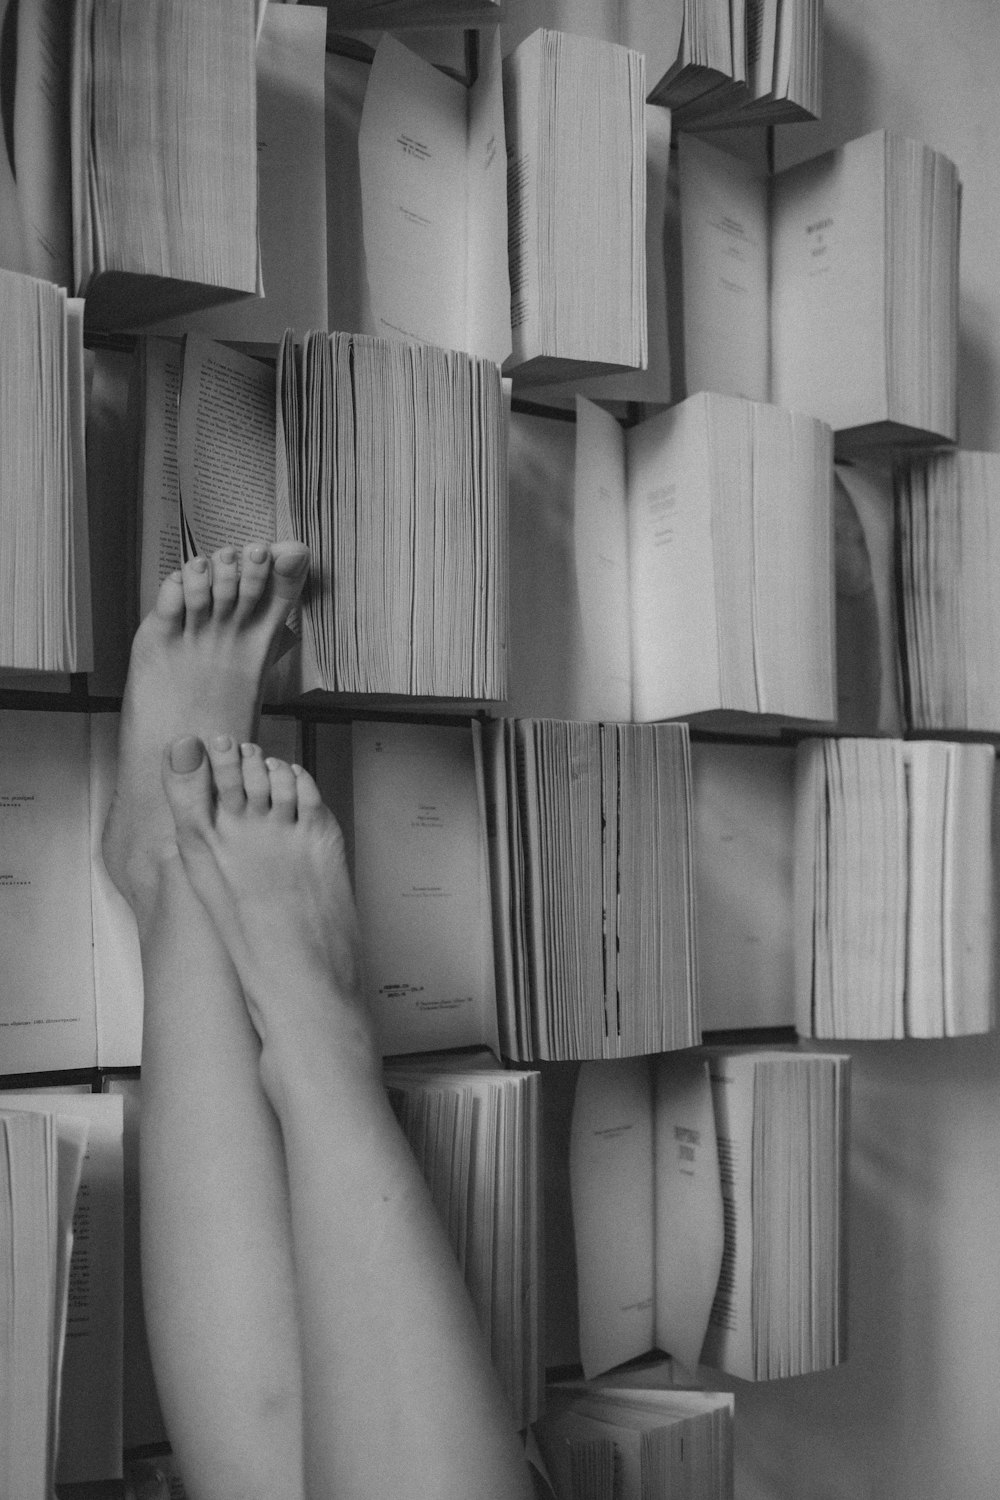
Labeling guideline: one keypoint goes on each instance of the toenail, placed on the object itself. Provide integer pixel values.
(199, 564)
(258, 554)
(296, 770)
(222, 742)
(185, 754)
(228, 555)
(248, 749)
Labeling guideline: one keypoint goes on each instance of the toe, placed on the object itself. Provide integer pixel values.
(310, 803)
(256, 781)
(225, 581)
(170, 600)
(227, 773)
(187, 782)
(290, 562)
(284, 799)
(197, 580)
(255, 570)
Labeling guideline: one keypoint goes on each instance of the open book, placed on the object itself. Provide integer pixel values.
(610, 1442)
(893, 888)
(592, 888)
(128, 172)
(40, 1160)
(712, 1162)
(576, 185)
(45, 622)
(409, 801)
(392, 468)
(90, 1382)
(688, 569)
(292, 209)
(830, 287)
(474, 1129)
(744, 62)
(949, 556)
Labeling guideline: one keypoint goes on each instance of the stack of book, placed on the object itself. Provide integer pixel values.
(474, 1130)
(745, 62)
(45, 622)
(592, 888)
(576, 206)
(855, 250)
(686, 568)
(391, 467)
(949, 552)
(893, 876)
(613, 1442)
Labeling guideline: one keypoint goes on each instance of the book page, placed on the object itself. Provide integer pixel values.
(675, 652)
(487, 274)
(291, 169)
(828, 314)
(41, 138)
(603, 668)
(118, 987)
(421, 886)
(47, 1018)
(413, 151)
(90, 1446)
(688, 1231)
(348, 298)
(730, 1343)
(724, 248)
(545, 619)
(611, 1181)
(13, 243)
(225, 445)
(159, 495)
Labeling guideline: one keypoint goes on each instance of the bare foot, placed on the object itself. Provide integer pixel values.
(266, 858)
(197, 666)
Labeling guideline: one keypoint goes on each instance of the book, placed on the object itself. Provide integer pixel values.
(40, 1165)
(409, 801)
(711, 1159)
(292, 206)
(869, 695)
(947, 560)
(71, 987)
(431, 159)
(163, 156)
(395, 15)
(91, 1381)
(893, 888)
(589, 830)
(683, 566)
(653, 383)
(745, 62)
(853, 250)
(474, 1130)
(45, 622)
(576, 207)
(392, 469)
(607, 1442)
(417, 199)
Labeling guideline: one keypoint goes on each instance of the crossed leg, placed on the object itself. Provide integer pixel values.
(400, 1398)
(216, 1238)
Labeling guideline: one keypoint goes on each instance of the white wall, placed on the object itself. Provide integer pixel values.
(915, 1414)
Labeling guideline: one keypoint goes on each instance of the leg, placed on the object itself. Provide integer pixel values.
(400, 1399)
(218, 1273)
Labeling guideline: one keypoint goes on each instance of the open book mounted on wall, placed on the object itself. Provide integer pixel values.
(682, 566)
(134, 179)
(831, 287)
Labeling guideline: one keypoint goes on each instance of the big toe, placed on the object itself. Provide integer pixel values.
(187, 782)
(291, 564)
